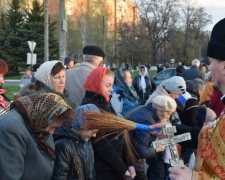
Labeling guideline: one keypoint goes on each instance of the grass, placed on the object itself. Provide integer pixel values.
(10, 91)
(13, 77)
(135, 73)
(13, 89)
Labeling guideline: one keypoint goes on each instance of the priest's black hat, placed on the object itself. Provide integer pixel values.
(93, 50)
(216, 45)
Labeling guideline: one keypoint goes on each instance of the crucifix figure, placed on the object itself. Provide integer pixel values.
(171, 140)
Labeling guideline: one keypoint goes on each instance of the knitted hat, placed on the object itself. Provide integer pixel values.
(67, 60)
(210, 115)
(164, 103)
(176, 84)
(216, 45)
(93, 50)
(79, 119)
(43, 73)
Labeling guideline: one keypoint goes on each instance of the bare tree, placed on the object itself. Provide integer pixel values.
(158, 18)
(195, 19)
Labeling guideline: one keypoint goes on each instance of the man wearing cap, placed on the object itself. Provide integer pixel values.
(92, 58)
(210, 158)
(69, 62)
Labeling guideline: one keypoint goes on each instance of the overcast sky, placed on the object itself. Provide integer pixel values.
(216, 8)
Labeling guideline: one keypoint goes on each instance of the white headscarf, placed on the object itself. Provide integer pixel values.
(44, 72)
(142, 81)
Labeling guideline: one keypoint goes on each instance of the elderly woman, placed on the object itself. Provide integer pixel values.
(50, 78)
(26, 146)
(110, 163)
(124, 97)
(4, 101)
(75, 155)
(159, 110)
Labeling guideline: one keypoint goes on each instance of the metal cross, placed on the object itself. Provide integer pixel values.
(171, 140)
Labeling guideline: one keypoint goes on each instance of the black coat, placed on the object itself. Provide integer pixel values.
(74, 156)
(110, 161)
(98, 100)
(192, 73)
(150, 87)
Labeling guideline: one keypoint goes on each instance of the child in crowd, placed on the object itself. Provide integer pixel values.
(74, 152)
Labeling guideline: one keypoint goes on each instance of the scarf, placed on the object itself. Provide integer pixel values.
(2, 100)
(93, 82)
(128, 91)
(142, 81)
(40, 110)
(43, 73)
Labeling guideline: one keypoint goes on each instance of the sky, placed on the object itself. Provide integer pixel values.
(216, 8)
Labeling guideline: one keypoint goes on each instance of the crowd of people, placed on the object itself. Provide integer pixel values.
(43, 135)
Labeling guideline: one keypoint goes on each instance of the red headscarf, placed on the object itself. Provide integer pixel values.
(2, 100)
(93, 82)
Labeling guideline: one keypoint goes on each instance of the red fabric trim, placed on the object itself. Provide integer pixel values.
(2, 100)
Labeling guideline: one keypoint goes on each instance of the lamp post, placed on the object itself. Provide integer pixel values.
(46, 51)
(62, 30)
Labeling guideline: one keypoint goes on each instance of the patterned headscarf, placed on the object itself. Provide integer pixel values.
(40, 110)
(120, 80)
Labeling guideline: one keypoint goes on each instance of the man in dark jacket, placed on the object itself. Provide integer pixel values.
(193, 72)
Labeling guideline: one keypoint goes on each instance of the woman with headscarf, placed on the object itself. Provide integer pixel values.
(74, 152)
(110, 156)
(124, 97)
(143, 84)
(50, 78)
(4, 101)
(26, 146)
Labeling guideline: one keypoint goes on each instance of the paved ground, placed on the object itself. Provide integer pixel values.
(11, 83)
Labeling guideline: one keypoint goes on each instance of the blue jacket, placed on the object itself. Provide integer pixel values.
(127, 104)
(20, 155)
(144, 115)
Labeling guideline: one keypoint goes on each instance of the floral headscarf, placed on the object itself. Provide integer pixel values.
(40, 110)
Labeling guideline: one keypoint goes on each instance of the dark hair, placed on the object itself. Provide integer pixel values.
(38, 84)
(57, 68)
(204, 65)
(36, 66)
(3, 67)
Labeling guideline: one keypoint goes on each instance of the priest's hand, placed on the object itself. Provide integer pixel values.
(177, 173)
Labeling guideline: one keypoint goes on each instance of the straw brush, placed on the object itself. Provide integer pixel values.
(109, 122)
